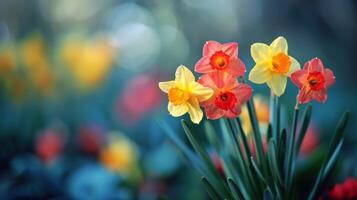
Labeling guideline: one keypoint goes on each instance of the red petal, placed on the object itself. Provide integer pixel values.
(212, 111)
(315, 65)
(243, 93)
(203, 65)
(236, 67)
(299, 77)
(329, 78)
(233, 113)
(304, 95)
(230, 48)
(320, 95)
(210, 47)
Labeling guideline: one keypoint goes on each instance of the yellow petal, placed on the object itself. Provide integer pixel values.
(295, 65)
(260, 73)
(183, 77)
(194, 110)
(177, 111)
(166, 86)
(260, 52)
(201, 92)
(279, 45)
(277, 84)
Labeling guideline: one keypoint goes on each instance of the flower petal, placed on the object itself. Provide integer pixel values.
(304, 95)
(295, 65)
(177, 111)
(279, 45)
(243, 93)
(203, 65)
(260, 52)
(329, 78)
(260, 73)
(166, 86)
(183, 77)
(210, 47)
(194, 110)
(320, 95)
(230, 48)
(236, 67)
(233, 113)
(315, 65)
(277, 84)
(201, 92)
(213, 112)
(299, 77)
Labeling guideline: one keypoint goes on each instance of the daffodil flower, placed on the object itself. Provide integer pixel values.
(185, 94)
(273, 65)
(313, 81)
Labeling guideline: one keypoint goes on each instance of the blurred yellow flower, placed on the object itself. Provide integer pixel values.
(120, 155)
(273, 65)
(34, 53)
(37, 64)
(88, 61)
(262, 111)
(185, 94)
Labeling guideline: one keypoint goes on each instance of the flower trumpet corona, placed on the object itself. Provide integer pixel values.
(228, 97)
(313, 81)
(220, 57)
(185, 94)
(273, 65)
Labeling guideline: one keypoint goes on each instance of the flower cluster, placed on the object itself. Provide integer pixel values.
(221, 95)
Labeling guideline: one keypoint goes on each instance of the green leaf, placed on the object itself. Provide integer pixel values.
(334, 148)
(290, 153)
(237, 194)
(182, 147)
(232, 171)
(210, 190)
(257, 135)
(333, 160)
(212, 136)
(281, 149)
(303, 129)
(278, 181)
(243, 163)
(243, 136)
(206, 159)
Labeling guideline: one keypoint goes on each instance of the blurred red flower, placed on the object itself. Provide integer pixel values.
(49, 145)
(91, 139)
(139, 96)
(344, 191)
(310, 142)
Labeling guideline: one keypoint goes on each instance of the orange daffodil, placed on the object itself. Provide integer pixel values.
(273, 65)
(185, 94)
(218, 90)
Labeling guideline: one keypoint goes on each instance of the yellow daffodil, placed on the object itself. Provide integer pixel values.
(185, 94)
(273, 65)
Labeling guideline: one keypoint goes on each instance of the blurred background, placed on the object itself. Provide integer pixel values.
(79, 98)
